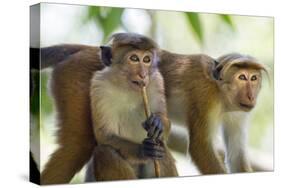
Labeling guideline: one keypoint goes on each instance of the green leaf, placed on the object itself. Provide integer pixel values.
(227, 19)
(111, 21)
(93, 13)
(196, 25)
(107, 18)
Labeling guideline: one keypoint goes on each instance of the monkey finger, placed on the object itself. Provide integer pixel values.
(150, 119)
(154, 129)
(159, 135)
(156, 149)
(148, 123)
(153, 147)
(159, 143)
(151, 132)
(158, 130)
(149, 141)
(154, 154)
(156, 120)
(155, 134)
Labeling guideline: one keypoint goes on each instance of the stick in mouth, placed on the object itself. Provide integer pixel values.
(147, 114)
(145, 101)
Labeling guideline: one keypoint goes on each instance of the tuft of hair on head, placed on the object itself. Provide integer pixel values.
(239, 60)
(132, 39)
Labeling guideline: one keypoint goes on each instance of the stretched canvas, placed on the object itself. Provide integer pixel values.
(65, 57)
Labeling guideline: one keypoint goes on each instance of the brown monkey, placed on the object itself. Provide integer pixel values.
(202, 93)
(243, 90)
(74, 65)
(123, 150)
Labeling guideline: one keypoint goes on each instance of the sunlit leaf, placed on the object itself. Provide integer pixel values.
(196, 25)
(111, 21)
(227, 19)
(93, 13)
(107, 18)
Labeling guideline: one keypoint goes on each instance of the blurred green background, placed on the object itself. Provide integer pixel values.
(180, 32)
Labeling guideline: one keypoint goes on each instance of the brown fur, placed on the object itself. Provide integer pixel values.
(70, 88)
(78, 68)
(190, 74)
(206, 100)
(120, 169)
(74, 66)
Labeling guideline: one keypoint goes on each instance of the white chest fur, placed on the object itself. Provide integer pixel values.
(121, 110)
(128, 116)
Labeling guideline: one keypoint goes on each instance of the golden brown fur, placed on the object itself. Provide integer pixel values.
(75, 131)
(189, 75)
(205, 102)
(70, 89)
(74, 66)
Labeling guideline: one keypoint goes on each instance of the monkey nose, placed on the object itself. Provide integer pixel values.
(142, 75)
(251, 98)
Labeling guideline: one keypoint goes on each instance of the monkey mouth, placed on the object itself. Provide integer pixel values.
(138, 83)
(247, 106)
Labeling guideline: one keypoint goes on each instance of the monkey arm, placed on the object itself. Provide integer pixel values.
(205, 156)
(201, 147)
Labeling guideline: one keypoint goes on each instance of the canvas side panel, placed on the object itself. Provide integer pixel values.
(34, 152)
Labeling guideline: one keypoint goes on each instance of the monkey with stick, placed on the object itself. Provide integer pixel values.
(127, 146)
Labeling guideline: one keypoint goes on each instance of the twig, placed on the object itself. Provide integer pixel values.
(147, 114)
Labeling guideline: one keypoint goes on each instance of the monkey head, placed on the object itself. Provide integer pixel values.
(135, 55)
(240, 79)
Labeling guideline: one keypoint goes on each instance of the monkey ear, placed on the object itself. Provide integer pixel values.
(106, 55)
(217, 70)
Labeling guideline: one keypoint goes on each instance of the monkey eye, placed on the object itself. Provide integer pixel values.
(146, 59)
(134, 58)
(254, 78)
(242, 77)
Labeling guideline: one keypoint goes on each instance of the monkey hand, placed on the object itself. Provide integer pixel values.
(154, 127)
(153, 149)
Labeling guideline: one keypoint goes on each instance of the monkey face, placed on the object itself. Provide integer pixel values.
(138, 66)
(243, 88)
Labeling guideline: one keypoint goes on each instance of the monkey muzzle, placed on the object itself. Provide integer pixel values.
(247, 107)
(139, 83)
